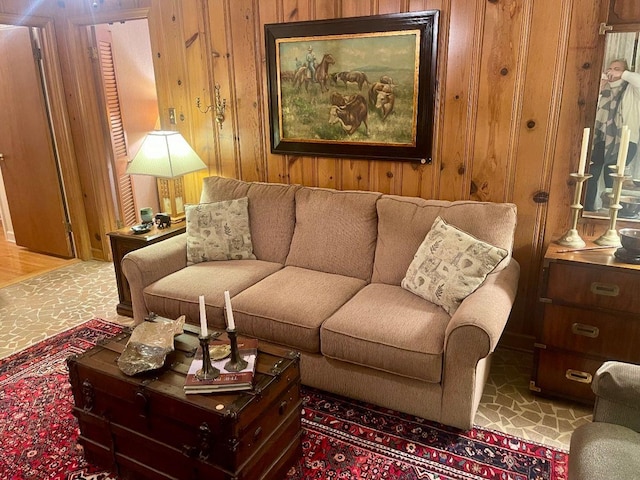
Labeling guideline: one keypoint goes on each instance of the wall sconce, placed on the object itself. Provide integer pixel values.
(220, 105)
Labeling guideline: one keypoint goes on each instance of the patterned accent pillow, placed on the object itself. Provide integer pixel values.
(450, 265)
(219, 231)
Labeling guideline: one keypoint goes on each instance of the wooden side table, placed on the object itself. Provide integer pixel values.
(589, 313)
(124, 241)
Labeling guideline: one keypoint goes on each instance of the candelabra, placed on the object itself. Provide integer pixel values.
(611, 237)
(208, 371)
(572, 238)
(236, 363)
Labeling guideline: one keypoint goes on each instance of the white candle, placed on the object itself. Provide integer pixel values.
(583, 152)
(227, 301)
(624, 149)
(203, 317)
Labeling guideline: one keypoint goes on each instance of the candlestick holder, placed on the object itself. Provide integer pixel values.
(236, 363)
(208, 371)
(611, 237)
(572, 238)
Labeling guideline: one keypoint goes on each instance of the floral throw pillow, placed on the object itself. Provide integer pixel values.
(218, 231)
(450, 265)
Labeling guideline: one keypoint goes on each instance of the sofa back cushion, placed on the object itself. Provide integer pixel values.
(335, 231)
(271, 212)
(403, 223)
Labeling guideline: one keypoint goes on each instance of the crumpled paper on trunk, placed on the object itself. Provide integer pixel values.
(149, 344)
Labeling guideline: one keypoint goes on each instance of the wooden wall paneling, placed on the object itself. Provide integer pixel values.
(497, 108)
(272, 11)
(328, 172)
(244, 63)
(547, 24)
(222, 74)
(173, 58)
(198, 66)
(459, 66)
(623, 11)
(198, 125)
(577, 111)
(415, 179)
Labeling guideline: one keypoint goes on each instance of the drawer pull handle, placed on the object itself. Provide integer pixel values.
(606, 289)
(585, 330)
(578, 376)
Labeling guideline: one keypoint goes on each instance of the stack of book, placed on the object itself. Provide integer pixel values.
(226, 381)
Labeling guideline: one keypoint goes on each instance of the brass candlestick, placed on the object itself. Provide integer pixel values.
(208, 371)
(236, 363)
(611, 237)
(572, 237)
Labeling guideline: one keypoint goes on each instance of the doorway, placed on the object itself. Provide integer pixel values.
(33, 206)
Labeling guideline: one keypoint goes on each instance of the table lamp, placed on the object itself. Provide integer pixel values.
(167, 155)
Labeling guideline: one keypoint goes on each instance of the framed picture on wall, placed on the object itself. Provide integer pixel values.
(353, 87)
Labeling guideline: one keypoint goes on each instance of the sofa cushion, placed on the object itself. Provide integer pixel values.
(403, 223)
(449, 265)
(177, 294)
(335, 232)
(218, 231)
(389, 329)
(271, 212)
(289, 306)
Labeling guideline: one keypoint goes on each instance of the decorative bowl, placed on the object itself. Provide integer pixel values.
(630, 206)
(630, 239)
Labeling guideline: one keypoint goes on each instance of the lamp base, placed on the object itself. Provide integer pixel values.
(171, 197)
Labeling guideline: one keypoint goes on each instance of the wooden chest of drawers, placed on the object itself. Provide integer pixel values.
(589, 313)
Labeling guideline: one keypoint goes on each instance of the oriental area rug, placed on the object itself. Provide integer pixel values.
(342, 439)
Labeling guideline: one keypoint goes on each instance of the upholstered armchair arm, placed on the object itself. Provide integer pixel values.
(144, 266)
(617, 389)
(472, 334)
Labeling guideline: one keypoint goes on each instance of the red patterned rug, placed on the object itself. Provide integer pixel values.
(343, 439)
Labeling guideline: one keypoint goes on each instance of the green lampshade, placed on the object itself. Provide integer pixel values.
(165, 154)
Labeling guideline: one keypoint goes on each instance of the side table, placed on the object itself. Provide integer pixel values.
(589, 313)
(124, 241)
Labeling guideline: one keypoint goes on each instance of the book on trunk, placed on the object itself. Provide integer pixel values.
(226, 381)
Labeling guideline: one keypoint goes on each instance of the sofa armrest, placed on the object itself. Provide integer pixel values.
(617, 389)
(146, 265)
(488, 308)
(471, 336)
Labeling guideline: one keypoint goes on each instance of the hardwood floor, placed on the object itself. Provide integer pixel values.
(18, 263)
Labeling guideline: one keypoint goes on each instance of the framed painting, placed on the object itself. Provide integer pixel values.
(353, 87)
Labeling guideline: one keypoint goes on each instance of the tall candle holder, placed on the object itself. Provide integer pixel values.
(611, 237)
(208, 371)
(572, 238)
(236, 363)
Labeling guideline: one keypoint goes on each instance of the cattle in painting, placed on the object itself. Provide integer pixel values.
(350, 111)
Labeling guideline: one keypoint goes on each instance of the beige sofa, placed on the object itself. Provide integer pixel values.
(326, 282)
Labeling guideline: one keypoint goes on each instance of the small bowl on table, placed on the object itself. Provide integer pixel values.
(630, 239)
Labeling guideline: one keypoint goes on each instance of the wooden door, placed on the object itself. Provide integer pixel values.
(29, 167)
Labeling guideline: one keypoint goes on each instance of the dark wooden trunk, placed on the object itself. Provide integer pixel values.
(145, 426)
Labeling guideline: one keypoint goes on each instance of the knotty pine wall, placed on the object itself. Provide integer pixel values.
(517, 83)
